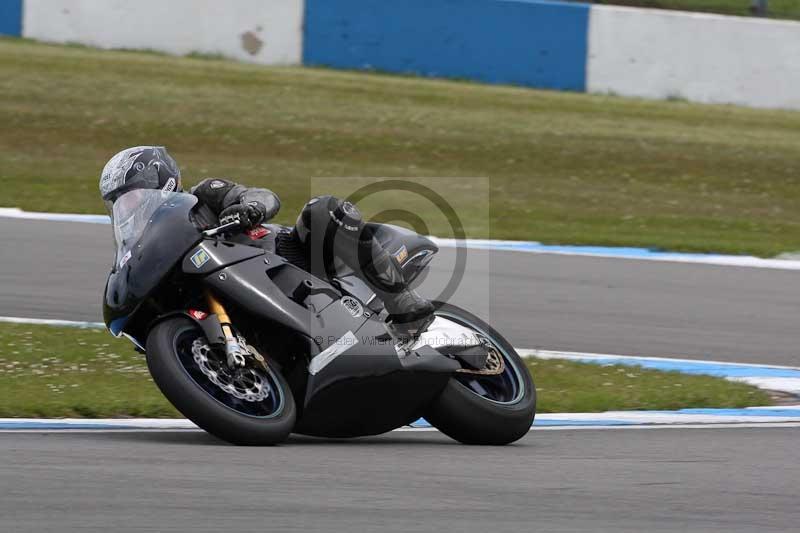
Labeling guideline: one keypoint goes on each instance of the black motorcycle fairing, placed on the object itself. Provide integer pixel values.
(213, 254)
(249, 285)
(365, 387)
(210, 325)
(264, 288)
(370, 405)
(169, 234)
(368, 351)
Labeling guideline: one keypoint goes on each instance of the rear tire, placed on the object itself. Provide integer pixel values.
(164, 344)
(466, 416)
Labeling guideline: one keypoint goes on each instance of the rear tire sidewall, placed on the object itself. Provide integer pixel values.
(198, 406)
(471, 419)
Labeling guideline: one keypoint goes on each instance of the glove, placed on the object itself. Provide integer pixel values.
(248, 215)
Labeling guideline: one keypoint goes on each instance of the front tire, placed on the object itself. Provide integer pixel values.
(489, 410)
(233, 419)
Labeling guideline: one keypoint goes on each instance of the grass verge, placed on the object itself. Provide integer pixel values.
(780, 9)
(564, 168)
(63, 372)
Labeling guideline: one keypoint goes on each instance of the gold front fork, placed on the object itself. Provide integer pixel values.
(216, 308)
(233, 349)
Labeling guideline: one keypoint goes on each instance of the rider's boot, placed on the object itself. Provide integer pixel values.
(409, 313)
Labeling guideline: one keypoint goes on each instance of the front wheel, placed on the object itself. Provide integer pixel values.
(246, 406)
(485, 409)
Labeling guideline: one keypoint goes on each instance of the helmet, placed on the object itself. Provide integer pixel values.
(141, 167)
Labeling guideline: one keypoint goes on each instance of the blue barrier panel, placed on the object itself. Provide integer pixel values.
(11, 17)
(537, 43)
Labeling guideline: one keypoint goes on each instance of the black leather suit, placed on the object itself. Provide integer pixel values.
(327, 228)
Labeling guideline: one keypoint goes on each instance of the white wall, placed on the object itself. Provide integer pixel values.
(233, 28)
(704, 58)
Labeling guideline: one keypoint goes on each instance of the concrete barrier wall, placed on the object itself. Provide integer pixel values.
(538, 43)
(524, 42)
(703, 58)
(260, 31)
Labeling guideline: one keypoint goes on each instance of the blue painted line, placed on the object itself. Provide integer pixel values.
(698, 368)
(422, 423)
(568, 422)
(605, 251)
(502, 245)
(637, 418)
(11, 17)
(753, 411)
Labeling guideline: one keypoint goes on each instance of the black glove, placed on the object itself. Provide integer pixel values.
(248, 215)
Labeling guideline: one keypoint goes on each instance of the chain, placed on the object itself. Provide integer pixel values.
(494, 364)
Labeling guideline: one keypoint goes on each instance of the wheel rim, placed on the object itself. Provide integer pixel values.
(249, 391)
(506, 388)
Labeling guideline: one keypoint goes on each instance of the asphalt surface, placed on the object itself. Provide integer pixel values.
(617, 306)
(575, 480)
(605, 480)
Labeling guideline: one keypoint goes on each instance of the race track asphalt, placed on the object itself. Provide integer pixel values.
(654, 480)
(554, 302)
(573, 480)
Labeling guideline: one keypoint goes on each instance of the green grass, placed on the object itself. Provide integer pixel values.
(563, 167)
(782, 9)
(62, 372)
(569, 387)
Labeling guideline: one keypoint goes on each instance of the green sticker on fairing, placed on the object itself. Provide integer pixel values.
(200, 258)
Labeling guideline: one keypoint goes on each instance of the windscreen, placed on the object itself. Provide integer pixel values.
(131, 214)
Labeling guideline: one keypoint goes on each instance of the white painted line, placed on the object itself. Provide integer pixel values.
(788, 385)
(115, 423)
(765, 425)
(14, 212)
(51, 322)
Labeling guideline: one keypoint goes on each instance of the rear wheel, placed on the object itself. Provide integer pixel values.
(248, 406)
(485, 409)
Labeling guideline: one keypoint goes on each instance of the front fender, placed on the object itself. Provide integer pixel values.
(210, 325)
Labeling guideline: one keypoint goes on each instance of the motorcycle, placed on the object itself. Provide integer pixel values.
(244, 341)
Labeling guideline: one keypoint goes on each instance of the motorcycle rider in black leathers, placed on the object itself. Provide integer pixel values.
(327, 228)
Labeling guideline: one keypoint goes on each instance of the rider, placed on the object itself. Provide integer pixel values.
(327, 227)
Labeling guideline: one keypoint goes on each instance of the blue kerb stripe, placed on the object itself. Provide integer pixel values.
(11, 17)
(535, 43)
(688, 367)
(739, 412)
(422, 423)
(622, 251)
(567, 422)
